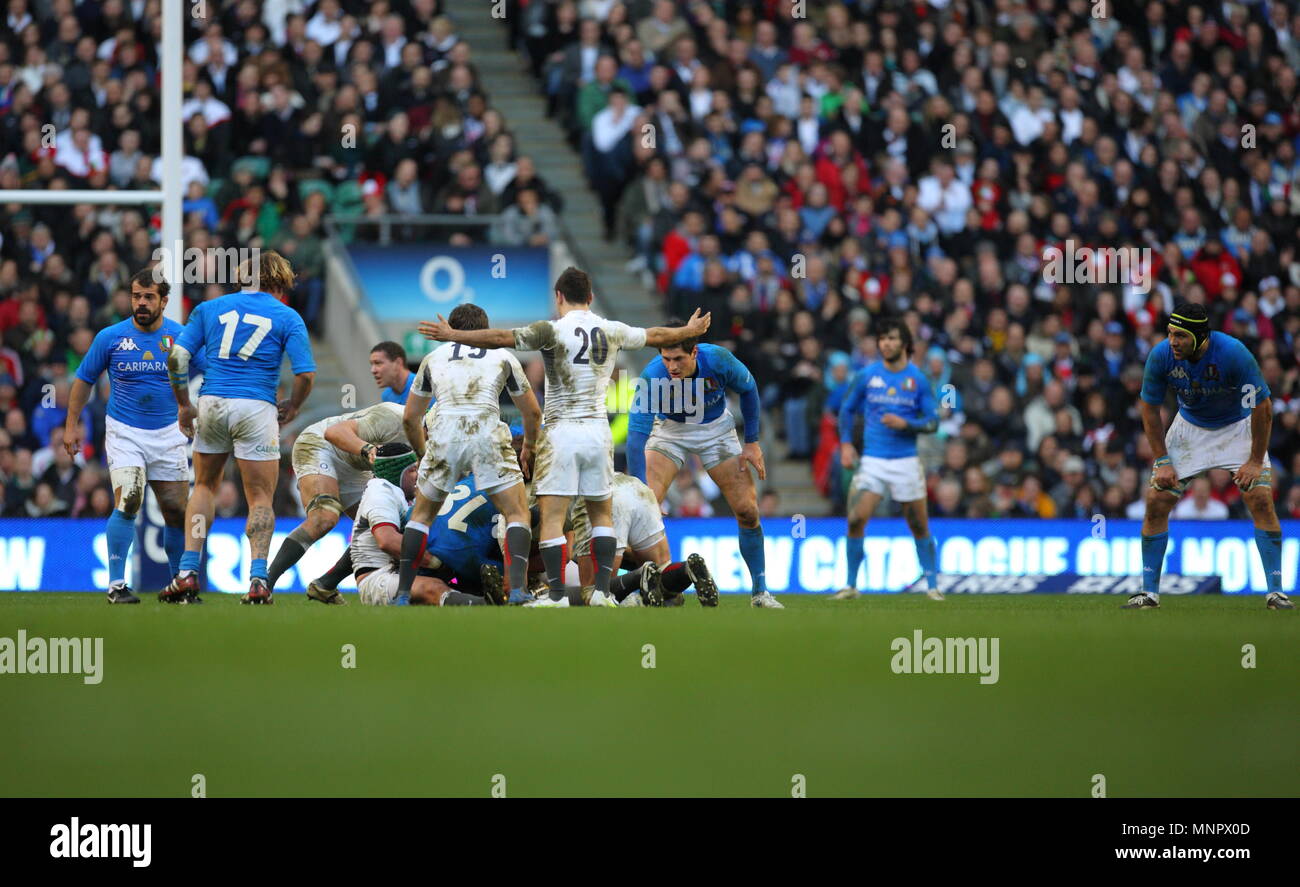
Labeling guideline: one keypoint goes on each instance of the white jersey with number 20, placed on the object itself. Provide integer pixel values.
(579, 351)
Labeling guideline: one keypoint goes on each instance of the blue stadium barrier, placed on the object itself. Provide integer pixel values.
(803, 555)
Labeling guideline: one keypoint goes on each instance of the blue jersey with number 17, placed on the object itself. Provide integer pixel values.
(244, 337)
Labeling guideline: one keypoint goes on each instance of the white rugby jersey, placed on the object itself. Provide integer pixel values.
(380, 424)
(579, 351)
(381, 503)
(467, 381)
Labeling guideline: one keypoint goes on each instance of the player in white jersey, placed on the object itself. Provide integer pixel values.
(641, 547)
(465, 435)
(333, 461)
(376, 543)
(575, 452)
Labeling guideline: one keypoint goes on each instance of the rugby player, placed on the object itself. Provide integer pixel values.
(641, 547)
(897, 404)
(376, 542)
(1225, 417)
(142, 440)
(680, 409)
(244, 337)
(389, 370)
(466, 435)
(575, 451)
(332, 461)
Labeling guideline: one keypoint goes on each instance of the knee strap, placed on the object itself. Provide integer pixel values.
(326, 501)
(130, 481)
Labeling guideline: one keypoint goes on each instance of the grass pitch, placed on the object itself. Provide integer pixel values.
(444, 701)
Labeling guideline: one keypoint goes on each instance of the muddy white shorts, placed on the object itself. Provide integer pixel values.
(455, 450)
(163, 453)
(575, 458)
(245, 426)
(1194, 450)
(903, 478)
(714, 442)
(312, 454)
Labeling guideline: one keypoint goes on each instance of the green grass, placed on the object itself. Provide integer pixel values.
(558, 702)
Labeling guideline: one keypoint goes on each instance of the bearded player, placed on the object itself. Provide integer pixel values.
(1224, 420)
(142, 439)
(897, 404)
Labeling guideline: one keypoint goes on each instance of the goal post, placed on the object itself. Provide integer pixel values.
(170, 196)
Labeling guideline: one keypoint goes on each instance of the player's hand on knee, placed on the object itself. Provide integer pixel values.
(1247, 474)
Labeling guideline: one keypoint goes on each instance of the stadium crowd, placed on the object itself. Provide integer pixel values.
(292, 110)
(802, 177)
(799, 177)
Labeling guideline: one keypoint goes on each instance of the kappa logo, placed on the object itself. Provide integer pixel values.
(876, 382)
(127, 344)
(1178, 373)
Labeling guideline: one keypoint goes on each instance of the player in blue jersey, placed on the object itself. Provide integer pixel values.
(467, 533)
(1225, 418)
(142, 440)
(896, 402)
(680, 409)
(389, 370)
(244, 337)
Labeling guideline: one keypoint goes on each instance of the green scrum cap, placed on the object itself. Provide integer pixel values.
(391, 460)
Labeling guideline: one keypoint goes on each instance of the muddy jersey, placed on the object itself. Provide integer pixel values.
(467, 381)
(379, 424)
(579, 351)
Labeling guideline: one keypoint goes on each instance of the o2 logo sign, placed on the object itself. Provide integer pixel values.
(442, 279)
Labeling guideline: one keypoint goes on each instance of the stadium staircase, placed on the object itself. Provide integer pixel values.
(512, 91)
(620, 294)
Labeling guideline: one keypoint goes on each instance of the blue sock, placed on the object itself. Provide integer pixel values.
(190, 561)
(855, 549)
(751, 549)
(258, 570)
(1153, 561)
(121, 533)
(174, 543)
(1269, 544)
(927, 552)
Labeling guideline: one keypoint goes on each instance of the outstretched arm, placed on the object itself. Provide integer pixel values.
(441, 331)
(663, 336)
